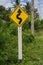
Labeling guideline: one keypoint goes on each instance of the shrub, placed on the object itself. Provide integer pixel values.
(28, 38)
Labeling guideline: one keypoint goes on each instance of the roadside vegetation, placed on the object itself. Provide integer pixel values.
(32, 45)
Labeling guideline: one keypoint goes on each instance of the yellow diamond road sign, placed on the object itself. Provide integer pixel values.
(19, 16)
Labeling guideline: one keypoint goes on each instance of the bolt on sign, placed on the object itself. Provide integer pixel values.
(19, 16)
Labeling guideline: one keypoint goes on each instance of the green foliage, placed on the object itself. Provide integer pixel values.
(0, 22)
(28, 8)
(36, 14)
(4, 14)
(13, 29)
(28, 38)
(8, 43)
(37, 24)
(27, 24)
(41, 25)
(32, 46)
(17, 2)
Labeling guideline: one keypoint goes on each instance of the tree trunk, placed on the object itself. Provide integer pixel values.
(32, 17)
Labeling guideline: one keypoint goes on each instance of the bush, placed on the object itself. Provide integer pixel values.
(28, 38)
(13, 29)
(37, 24)
(41, 24)
(27, 24)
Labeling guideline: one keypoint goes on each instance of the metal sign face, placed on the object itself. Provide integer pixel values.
(19, 16)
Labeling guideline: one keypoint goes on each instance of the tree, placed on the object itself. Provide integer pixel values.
(32, 17)
(17, 2)
(36, 14)
(4, 14)
(28, 8)
(27, 24)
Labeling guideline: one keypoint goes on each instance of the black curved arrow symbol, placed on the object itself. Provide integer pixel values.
(19, 12)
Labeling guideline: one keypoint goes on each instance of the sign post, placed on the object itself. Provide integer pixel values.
(19, 16)
(20, 43)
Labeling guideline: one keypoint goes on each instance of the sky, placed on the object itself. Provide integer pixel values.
(37, 3)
